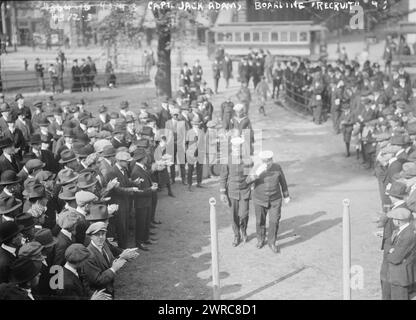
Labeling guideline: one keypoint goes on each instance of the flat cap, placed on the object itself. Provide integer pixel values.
(76, 253)
(34, 164)
(31, 250)
(399, 214)
(67, 219)
(101, 145)
(84, 197)
(96, 227)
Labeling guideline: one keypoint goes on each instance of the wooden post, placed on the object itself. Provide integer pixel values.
(214, 250)
(346, 249)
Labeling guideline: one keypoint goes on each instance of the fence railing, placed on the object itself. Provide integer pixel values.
(28, 81)
(296, 95)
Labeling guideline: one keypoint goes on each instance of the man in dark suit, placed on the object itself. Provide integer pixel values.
(122, 195)
(5, 110)
(118, 139)
(235, 192)
(163, 115)
(43, 155)
(16, 136)
(73, 286)
(111, 124)
(227, 69)
(269, 183)
(8, 159)
(143, 202)
(11, 240)
(21, 106)
(67, 221)
(398, 270)
(104, 118)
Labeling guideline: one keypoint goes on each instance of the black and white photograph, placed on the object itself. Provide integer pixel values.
(223, 151)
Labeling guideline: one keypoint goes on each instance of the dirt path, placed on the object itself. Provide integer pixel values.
(310, 235)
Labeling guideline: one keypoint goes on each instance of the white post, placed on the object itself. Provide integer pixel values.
(214, 250)
(346, 249)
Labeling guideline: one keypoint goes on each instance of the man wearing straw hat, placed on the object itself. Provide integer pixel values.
(269, 188)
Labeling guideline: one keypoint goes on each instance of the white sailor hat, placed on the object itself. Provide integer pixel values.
(238, 107)
(265, 155)
(236, 141)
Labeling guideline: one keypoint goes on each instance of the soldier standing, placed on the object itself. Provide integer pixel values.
(269, 185)
(216, 70)
(227, 111)
(316, 99)
(235, 192)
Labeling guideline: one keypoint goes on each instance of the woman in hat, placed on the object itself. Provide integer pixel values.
(25, 276)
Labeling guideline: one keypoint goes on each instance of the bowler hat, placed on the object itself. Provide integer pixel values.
(9, 177)
(98, 212)
(396, 189)
(66, 176)
(4, 107)
(102, 109)
(86, 180)
(45, 238)
(68, 132)
(139, 154)
(43, 122)
(9, 204)
(67, 156)
(24, 270)
(35, 139)
(18, 96)
(76, 253)
(147, 131)
(119, 129)
(26, 220)
(68, 192)
(37, 104)
(8, 230)
(108, 151)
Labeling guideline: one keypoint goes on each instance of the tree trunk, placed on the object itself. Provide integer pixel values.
(115, 54)
(163, 75)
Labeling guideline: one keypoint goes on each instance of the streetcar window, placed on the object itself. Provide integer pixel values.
(293, 36)
(265, 36)
(303, 36)
(275, 36)
(256, 37)
(229, 36)
(283, 36)
(247, 36)
(220, 37)
(237, 37)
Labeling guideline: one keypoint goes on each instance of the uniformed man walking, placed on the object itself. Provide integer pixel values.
(235, 192)
(269, 186)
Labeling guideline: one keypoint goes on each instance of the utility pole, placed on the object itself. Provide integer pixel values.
(3, 18)
(14, 25)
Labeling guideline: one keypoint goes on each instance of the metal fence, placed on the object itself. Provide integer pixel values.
(27, 81)
(296, 96)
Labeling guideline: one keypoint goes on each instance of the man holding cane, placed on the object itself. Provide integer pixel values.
(269, 186)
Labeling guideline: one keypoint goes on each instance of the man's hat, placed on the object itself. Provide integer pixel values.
(35, 139)
(26, 220)
(396, 189)
(114, 115)
(8, 230)
(66, 176)
(37, 191)
(102, 109)
(265, 155)
(76, 253)
(18, 96)
(45, 175)
(34, 164)
(123, 156)
(399, 140)
(139, 154)
(5, 143)
(86, 180)
(67, 219)
(9, 204)
(24, 270)
(96, 227)
(68, 132)
(108, 151)
(147, 131)
(399, 214)
(43, 122)
(67, 156)
(45, 238)
(4, 107)
(32, 251)
(37, 104)
(9, 177)
(93, 123)
(142, 143)
(98, 212)
(83, 197)
(119, 129)
(68, 192)
(124, 104)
